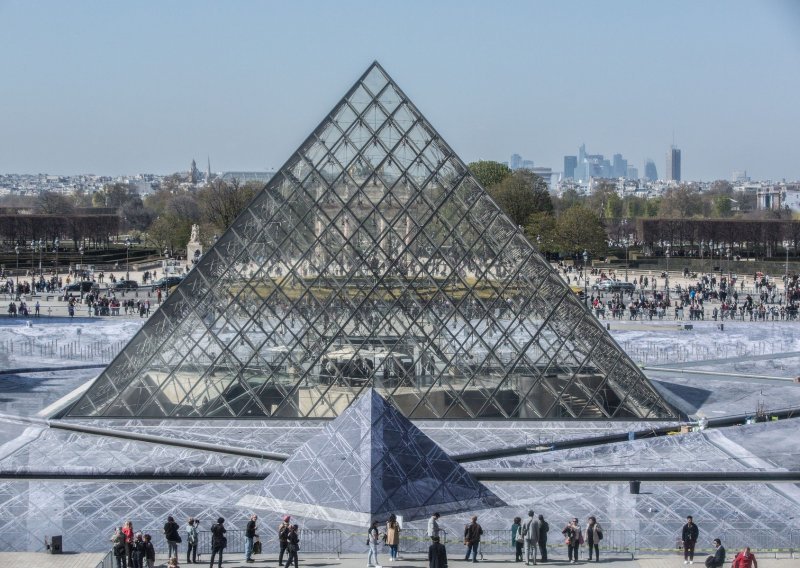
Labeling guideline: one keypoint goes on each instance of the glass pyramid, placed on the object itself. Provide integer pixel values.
(373, 258)
(367, 463)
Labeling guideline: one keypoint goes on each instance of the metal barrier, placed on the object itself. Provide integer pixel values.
(417, 540)
(615, 542)
(321, 541)
(107, 561)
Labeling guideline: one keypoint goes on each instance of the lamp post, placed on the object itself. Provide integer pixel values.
(627, 245)
(56, 244)
(81, 251)
(786, 273)
(585, 278)
(127, 260)
(666, 280)
(16, 289)
(41, 249)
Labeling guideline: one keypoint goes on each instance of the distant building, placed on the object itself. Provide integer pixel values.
(527, 164)
(650, 171)
(546, 174)
(632, 173)
(570, 163)
(194, 173)
(619, 167)
(769, 197)
(516, 162)
(739, 176)
(674, 164)
(244, 177)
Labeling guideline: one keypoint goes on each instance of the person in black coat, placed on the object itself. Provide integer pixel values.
(218, 541)
(689, 536)
(437, 554)
(717, 560)
(292, 545)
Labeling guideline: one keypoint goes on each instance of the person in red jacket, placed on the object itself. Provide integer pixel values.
(745, 559)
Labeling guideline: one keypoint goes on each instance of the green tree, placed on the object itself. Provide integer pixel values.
(579, 229)
(542, 230)
(568, 198)
(522, 194)
(722, 205)
(488, 172)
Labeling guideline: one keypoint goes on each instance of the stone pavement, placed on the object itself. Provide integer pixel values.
(43, 560)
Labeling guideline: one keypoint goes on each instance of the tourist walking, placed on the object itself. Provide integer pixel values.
(472, 538)
(572, 538)
(716, 560)
(373, 538)
(594, 534)
(249, 535)
(218, 542)
(292, 546)
(191, 541)
(283, 537)
(392, 537)
(437, 554)
(172, 536)
(531, 531)
(544, 528)
(517, 539)
(689, 536)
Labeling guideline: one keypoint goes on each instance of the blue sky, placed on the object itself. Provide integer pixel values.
(127, 87)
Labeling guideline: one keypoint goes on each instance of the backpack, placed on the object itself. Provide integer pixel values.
(544, 527)
(283, 532)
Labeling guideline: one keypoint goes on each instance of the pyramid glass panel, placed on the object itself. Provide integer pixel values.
(373, 259)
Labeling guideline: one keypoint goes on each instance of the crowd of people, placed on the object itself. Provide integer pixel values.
(529, 542)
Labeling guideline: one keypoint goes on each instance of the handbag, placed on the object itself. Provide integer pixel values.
(257, 547)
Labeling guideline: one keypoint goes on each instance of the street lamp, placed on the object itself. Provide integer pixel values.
(666, 280)
(41, 249)
(628, 240)
(786, 273)
(16, 290)
(81, 251)
(585, 278)
(127, 260)
(56, 244)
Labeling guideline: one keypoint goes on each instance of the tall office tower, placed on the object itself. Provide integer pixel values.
(620, 166)
(570, 163)
(674, 164)
(516, 162)
(632, 173)
(650, 171)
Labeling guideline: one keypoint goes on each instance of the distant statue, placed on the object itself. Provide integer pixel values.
(195, 238)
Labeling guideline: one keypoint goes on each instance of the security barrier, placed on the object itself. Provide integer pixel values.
(417, 540)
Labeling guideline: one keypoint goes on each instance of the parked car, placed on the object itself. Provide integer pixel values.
(167, 282)
(85, 286)
(610, 285)
(126, 285)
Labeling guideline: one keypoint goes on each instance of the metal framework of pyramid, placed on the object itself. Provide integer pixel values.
(367, 463)
(373, 258)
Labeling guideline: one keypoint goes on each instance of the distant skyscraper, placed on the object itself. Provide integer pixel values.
(527, 164)
(650, 171)
(570, 163)
(619, 167)
(674, 164)
(633, 173)
(516, 162)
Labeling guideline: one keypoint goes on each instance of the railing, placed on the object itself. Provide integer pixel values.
(323, 541)
(107, 561)
(417, 540)
(615, 542)
(761, 542)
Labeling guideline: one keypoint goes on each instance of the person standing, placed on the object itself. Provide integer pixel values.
(149, 551)
(433, 526)
(531, 531)
(191, 541)
(127, 530)
(594, 534)
(544, 528)
(392, 537)
(437, 554)
(689, 536)
(572, 538)
(137, 551)
(517, 539)
(745, 559)
(472, 538)
(118, 547)
(293, 546)
(373, 538)
(218, 541)
(249, 535)
(283, 537)
(171, 529)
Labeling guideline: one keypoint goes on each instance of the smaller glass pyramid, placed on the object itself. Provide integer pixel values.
(369, 462)
(373, 258)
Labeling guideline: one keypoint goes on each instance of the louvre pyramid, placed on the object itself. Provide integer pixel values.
(367, 463)
(373, 258)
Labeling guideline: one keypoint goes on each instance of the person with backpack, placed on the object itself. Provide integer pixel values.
(517, 539)
(283, 537)
(218, 541)
(292, 546)
(594, 534)
(172, 536)
(544, 528)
